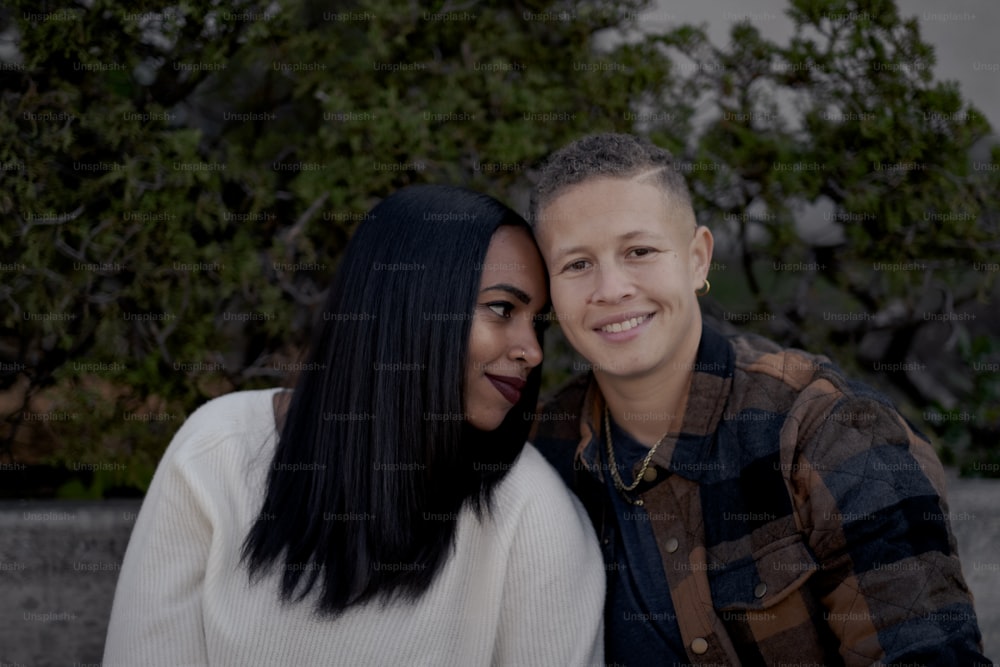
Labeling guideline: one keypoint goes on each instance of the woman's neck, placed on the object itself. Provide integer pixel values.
(281, 400)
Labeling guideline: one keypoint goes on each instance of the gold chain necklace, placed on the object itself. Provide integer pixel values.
(619, 483)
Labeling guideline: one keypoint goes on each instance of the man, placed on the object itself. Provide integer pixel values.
(754, 506)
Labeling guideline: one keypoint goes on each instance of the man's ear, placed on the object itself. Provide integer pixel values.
(700, 255)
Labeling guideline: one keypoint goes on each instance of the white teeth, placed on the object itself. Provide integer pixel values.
(618, 327)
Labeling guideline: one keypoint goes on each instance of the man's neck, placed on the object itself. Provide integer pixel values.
(649, 406)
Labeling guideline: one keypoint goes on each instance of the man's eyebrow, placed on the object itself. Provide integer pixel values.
(562, 252)
(521, 295)
(627, 236)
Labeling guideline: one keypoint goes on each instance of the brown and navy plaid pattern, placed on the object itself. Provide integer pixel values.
(800, 519)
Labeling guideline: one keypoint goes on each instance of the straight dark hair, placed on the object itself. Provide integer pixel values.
(374, 461)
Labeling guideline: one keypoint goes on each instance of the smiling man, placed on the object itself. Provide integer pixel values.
(754, 505)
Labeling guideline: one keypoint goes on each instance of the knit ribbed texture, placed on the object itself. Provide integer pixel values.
(524, 587)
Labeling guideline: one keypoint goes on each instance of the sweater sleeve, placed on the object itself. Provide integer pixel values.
(156, 618)
(553, 594)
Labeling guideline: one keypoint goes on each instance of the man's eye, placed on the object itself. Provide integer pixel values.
(641, 252)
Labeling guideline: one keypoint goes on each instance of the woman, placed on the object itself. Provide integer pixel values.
(393, 514)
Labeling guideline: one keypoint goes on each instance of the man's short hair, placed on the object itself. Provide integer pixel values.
(611, 155)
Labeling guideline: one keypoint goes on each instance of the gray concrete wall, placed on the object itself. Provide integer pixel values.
(59, 562)
(58, 565)
(975, 513)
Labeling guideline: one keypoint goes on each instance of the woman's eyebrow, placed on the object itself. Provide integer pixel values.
(521, 295)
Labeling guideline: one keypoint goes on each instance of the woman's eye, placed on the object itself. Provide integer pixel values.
(641, 252)
(501, 308)
(578, 265)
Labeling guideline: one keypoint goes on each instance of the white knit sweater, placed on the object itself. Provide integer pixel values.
(525, 587)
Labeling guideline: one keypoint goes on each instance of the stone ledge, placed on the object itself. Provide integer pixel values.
(59, 562)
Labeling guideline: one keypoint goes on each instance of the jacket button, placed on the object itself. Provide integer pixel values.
(699, 645)
(671, 545)
(760, 591)
(649, 475)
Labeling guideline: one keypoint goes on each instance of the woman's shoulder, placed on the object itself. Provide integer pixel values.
(535, 490)
(531, 469)
(236, 403)
(540, 518)
(227, 418)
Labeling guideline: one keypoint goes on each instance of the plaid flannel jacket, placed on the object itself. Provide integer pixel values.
(799, 518)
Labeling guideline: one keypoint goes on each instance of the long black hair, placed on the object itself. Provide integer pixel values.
(374, 461)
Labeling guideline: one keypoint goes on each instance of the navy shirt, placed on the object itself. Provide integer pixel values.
(640, 621)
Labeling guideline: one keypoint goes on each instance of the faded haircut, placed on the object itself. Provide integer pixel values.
(624, 156)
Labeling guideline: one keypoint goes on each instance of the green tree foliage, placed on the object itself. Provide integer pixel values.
(846, 124)
(181, 177)
(178, 178)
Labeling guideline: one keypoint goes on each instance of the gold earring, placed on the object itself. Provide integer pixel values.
(705, 289)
